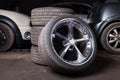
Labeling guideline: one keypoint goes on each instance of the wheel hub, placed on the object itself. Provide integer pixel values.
(72, 41)
(69, 42)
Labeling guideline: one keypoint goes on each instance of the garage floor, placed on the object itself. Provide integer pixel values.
(17, 65)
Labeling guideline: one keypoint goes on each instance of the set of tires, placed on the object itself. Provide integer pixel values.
(39, 18)
(65, 43)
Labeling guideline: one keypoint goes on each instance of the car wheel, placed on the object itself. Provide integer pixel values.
(110, 38)
(68, 44)
(7, 37)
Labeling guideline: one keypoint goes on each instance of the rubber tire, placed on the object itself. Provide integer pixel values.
(44, 19)
(51, 9)
(10, 36)
(37, 57)
(49, 14)
(104, 35)
(48, 54)
(47, 17)
(35, 32)
(39, 23)
(40, 16)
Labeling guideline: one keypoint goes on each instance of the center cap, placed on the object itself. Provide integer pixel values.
(72, 41)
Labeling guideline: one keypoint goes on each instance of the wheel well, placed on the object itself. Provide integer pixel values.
(14, 27)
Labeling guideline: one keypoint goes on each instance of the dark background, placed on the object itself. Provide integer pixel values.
(25, 6)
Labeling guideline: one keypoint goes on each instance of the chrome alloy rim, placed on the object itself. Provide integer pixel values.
(113, 38)
(2, 37)
(72, 42)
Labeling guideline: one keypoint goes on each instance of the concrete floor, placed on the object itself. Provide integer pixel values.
(18, 66)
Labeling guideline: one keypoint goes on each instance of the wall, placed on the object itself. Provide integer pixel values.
(25, 6)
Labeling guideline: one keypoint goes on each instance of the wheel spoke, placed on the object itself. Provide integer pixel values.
(70, 32)
(61, 36)
(112, 41)
(64, 50)
(111, 35)
(80, 40)
(80, 57)
(116, 44)
(85, 38)
(115, 31)
(71, 24)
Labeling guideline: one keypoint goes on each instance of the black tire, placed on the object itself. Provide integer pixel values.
(7, 37)
(51, 9)
(50, 47)
(35, 32)
(37, 57)
(110, 38)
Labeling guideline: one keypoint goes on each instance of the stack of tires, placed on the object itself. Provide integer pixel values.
(39, 18)
(60, 40)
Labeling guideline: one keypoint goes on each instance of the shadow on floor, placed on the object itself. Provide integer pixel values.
(100, 64)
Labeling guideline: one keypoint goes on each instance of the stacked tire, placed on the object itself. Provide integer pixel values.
(61, 40)
(39, 18)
